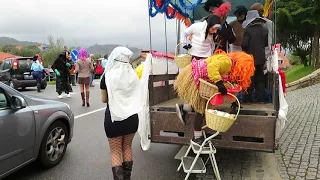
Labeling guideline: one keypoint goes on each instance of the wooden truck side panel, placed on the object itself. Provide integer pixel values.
(247, 133)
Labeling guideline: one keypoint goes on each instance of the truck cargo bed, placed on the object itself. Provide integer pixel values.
(246, 108)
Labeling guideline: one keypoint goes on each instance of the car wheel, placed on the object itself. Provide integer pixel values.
(43, 86)
(23, 88)
(54, 145)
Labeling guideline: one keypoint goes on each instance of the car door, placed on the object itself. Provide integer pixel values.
(1, 72)
(6, 71)
(17, 132)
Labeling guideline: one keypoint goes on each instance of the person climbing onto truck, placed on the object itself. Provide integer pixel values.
(37, 71)
(201, 47)
(238, 66)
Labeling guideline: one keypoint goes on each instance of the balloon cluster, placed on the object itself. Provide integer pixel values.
(172, 10)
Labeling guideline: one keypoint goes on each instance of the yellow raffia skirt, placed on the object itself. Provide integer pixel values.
(187, 90)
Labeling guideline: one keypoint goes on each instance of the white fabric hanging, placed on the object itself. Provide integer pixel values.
(283, 110)
(123, 85)
(283, 105)
(144, 116)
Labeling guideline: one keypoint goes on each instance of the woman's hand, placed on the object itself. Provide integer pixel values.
(187, 47)
(104, 97)
(57, 72)
(222, 88)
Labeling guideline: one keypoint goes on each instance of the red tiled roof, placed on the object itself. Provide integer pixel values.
(19, 47)
(285, 63)
(4, 55)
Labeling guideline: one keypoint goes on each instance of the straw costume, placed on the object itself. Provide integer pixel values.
(239, 67)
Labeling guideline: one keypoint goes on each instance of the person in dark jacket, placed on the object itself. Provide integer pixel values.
(254, 42)
(61, 67)
(240, 13)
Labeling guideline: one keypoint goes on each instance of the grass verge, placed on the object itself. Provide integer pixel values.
(51, 82)
(297, 72)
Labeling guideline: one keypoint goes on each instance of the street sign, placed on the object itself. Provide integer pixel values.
(74, 55)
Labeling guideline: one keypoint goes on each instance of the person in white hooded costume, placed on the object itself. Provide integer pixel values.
(121, 90)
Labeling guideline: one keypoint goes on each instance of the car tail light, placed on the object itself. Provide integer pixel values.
(15, 64)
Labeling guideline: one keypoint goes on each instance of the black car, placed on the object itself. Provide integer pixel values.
(16, 73)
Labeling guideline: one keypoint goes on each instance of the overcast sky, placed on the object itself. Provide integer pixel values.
(84, 23)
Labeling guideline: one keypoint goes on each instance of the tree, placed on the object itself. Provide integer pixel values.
(8, 48)
(56, 47)
(298, 27)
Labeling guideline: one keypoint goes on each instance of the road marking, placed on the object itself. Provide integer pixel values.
(88, 113)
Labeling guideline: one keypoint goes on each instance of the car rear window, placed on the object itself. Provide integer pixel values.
(24, 63)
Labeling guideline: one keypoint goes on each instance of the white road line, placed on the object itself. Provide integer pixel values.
(88, 113)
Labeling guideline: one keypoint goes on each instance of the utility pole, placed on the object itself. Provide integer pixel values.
(178, 36)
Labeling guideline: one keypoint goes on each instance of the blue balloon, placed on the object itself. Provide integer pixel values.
(74, 55)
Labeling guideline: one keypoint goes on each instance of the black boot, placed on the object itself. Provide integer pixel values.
(117, 173)
(83, 99)
(87, 98)
(127, 168)
(38, 87)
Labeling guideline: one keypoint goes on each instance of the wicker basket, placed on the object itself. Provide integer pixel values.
(182, 61)
(206, 90)
(216, 120)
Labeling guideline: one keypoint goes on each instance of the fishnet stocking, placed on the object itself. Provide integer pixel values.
(127, 147)
(116, 151)
(121, 149)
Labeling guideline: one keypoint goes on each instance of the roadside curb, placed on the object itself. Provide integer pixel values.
(306, 81)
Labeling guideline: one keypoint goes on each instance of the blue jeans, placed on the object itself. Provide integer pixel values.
(91, 79)
(37, 75)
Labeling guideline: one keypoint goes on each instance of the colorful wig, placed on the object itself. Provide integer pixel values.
(83, 54)
(212, 4)
(242, 70)
(223, 10)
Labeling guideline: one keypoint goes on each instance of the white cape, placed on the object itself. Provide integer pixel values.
(123, 85)
(283, 105)
(144, 116)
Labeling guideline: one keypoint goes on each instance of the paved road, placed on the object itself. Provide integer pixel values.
(88, 156)
(298, 155)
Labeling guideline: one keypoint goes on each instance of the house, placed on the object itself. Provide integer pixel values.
(4, 56)
(19, 47)
(284, 62)
(44, 47)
